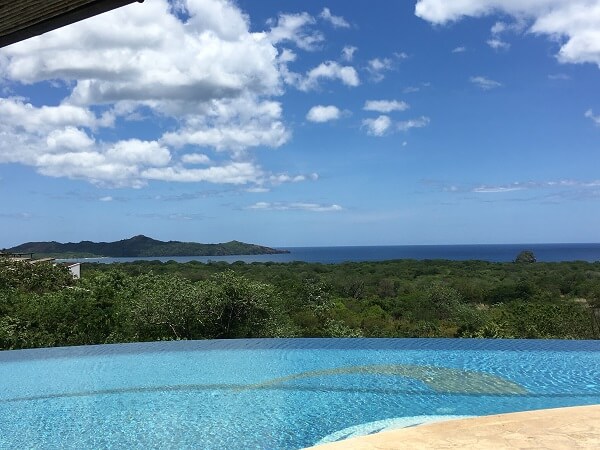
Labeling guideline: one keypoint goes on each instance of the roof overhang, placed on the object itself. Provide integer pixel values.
(23, 19)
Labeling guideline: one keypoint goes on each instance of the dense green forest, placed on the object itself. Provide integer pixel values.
(140, 246)
(41, 305)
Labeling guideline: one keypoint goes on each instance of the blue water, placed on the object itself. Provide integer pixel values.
(235, 394)
(329, 255)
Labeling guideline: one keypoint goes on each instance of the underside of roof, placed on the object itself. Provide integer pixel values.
(22, 19)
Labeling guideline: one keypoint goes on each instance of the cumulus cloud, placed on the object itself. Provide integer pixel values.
(145, 54)
(195, 158)
(485, 83)
(322, 113)
(16, 112)
(329, 70)
(460, 49)
(378, 126)
(590, 115)
(574, 23)
(232, 124)
(385, 106)
(295, 206)
(214, 78)
(336, 21)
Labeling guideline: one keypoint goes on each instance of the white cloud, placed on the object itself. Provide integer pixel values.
(68, 150)
(295, 206)
(574, 23)
(134, 151)
(15, 112)
(336, 21)
(590, 115)
(232, 124)
(460, 49)
(518, 26)
(348, 53)
(498, 44)
(496, 189)
(485, 83)
(266, 181)
(563, 184)
(411, 89)
(257, 189)
(377, 66)
(231, 173)
(378, 126)
(385, 106)
(93, 166)
(68, 138)
(108, 198)
(329, 70)
(322, 113)
(296, 28)
(498, 27)
(195, 158)
(144, 54)
(420, 122)
(209, 73)
(285, 178)
(383, 125)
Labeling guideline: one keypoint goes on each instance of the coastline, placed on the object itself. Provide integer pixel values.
(333, 255)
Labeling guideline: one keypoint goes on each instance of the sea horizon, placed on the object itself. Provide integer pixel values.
(552, 252)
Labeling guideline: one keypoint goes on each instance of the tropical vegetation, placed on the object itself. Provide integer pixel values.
(41, 305)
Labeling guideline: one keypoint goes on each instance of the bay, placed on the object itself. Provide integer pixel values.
(332, 255)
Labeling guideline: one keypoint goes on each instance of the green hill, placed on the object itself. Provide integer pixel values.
(142, 246)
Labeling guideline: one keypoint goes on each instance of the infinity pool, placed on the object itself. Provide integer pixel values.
(277, 393)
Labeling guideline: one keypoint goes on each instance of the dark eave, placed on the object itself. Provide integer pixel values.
(22, 19)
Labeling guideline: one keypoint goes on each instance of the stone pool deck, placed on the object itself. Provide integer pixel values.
(560, 428)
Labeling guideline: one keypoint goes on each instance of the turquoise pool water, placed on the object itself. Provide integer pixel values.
(276, 393)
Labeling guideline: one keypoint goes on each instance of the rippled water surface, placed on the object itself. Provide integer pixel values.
(276, 394)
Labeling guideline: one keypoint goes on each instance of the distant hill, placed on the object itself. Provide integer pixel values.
(141, 246)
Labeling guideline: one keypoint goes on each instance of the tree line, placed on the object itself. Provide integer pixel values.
(42, 305)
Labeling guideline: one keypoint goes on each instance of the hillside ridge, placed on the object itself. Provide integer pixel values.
(143, 246)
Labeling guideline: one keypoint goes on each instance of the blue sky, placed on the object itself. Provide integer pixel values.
(292, 123)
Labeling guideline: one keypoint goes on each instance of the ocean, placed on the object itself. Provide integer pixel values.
(332, 255)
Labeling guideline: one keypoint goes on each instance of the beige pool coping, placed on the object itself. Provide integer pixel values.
(558, 428)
